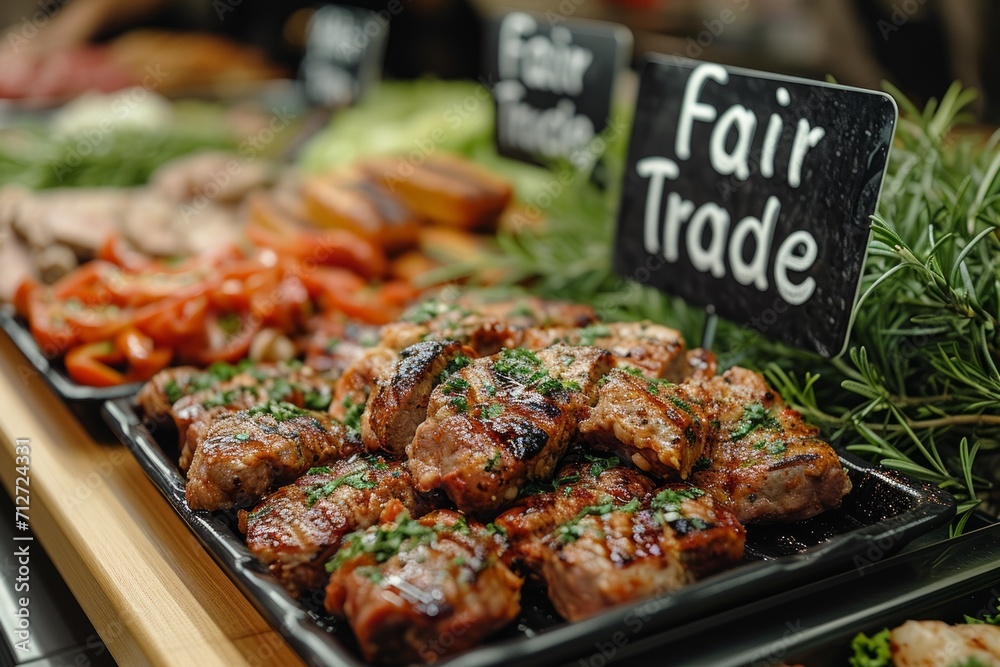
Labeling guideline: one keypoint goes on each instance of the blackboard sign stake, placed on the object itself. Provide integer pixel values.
(711, 324)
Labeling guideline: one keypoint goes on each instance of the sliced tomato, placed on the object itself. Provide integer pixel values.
(150, 365)
(23, 294)
(224, 344)
(89, 364)
(117, 251)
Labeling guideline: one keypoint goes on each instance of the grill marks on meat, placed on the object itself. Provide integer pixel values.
(399, 403)
(605, 539)
(766, 462)
(295, 530)
(503, 421)
(656, 425)
(443, 578)
(243, 454)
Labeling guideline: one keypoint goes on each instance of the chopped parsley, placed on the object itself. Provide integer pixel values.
(460, 403)
(222, 371)
(667, 505)
(280, 410)
(459, 362)
(755, 416)
(524, 367)
(280, 389)
(242, 437)
(332, 344)
(426, 311)
(590, 334)
(173, 392)
(633, 371)
(490, 389)
(703, 463)
(682, 404)
(316, 400)
(493, 529)
(386, 541)
(598, 464)
(352, 415)
(671, 500)
(491, 411)
(358, 478)
(491, 464)
(871, 651)
(455, 385)
(571, 530)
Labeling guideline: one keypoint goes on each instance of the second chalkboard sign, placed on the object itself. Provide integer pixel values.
(552, 81)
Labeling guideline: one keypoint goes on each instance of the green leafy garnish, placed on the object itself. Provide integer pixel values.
(755, 416)
(315, 400)
(280, 410)
(173, 392)
(491, 411)
(352, 415)
(871, 651)
(571, 530)
(598, 464)
(357, 478)
(492, 462)
(590, 334)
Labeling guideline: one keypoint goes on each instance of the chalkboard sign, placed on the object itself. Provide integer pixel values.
(752, 192)
(552, 80)
(344, 51)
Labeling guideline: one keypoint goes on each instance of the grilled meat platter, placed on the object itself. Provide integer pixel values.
(420, 478)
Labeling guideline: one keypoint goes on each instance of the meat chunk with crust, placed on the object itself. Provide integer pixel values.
(415, 590)
(763, 459)
(657, 351)
(243, 454)
(351, 391)
(157, 396)
(609, 541)
(503, 421)
(655, 424)
(296, 529)
(398, 405)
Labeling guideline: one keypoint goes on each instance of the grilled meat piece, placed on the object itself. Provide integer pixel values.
(296, 529)
(352, 389)
(609, 539)
(652, 423)
(657, 351)
(157, 396)
(582, 480)
(399, 404)
(764, 460)
(256, 385)
(503, 421)
(243, 454)
(414, 590)
(335, 345)
(701, 365)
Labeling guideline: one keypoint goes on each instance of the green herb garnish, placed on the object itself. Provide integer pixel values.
(357, 478)
(755, 416)
(871, 651)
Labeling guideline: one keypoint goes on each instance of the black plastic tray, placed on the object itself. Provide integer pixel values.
(883, 513)
(53, 370)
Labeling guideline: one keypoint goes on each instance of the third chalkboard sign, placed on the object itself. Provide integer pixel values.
(752, 193)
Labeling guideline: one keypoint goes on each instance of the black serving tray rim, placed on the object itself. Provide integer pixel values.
(54, 376)
(564, 641)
